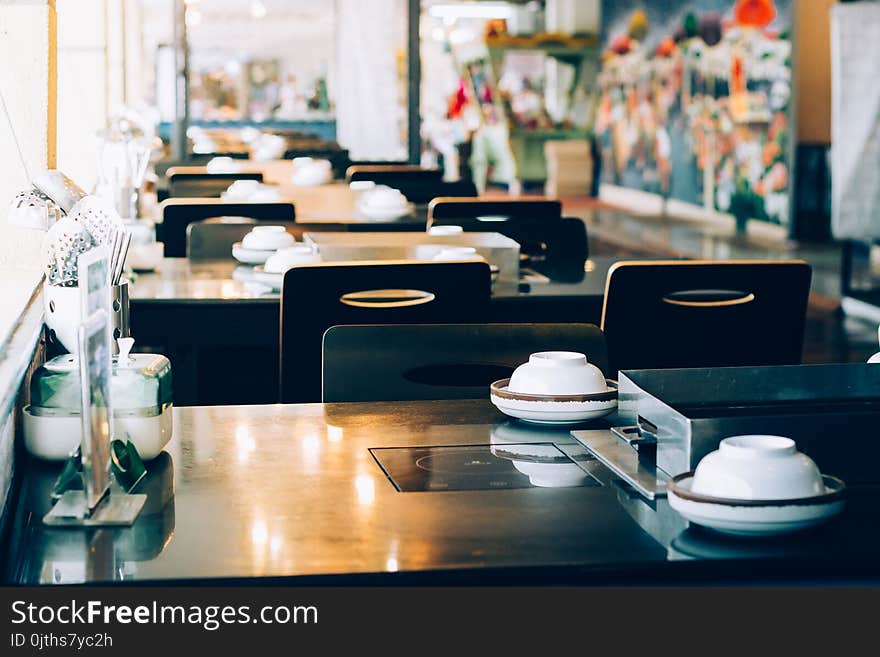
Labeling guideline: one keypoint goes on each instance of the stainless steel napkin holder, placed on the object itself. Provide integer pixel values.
(671, 419)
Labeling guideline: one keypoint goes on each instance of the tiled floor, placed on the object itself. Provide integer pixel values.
(830, 335)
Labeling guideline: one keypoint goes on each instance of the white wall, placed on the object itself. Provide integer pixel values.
(82, 86)
(27, 82)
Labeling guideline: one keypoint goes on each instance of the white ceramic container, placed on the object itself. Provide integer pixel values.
(557, 373)
(757, 467)
(265, 238)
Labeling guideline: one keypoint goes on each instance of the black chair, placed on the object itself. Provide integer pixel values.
(536, 223)
(420, 186)
(212, 239)
(440, 361)
(316, 297)
(672, 314)
(392, 174)
(177, 214)
(423, 192)
(204, 185)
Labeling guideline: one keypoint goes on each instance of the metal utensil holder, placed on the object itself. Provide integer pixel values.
(120, 305)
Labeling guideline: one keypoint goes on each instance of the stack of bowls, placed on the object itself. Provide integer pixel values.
(756, 485)
(555, 387)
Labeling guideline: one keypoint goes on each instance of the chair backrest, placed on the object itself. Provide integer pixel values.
(534, 223)
(388, 174)
(662, 314)
(440, 361)
(213, 238)
(443, 210)
(316, 297)
(177, 214)
(204, 185)
(422, 192)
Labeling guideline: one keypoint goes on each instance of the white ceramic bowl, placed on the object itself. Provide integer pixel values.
(284, 259)
(265, 238)
(241, 190)
(557, 373)
(361, 185)
(308, 172)
(384, 198)
(757, 467)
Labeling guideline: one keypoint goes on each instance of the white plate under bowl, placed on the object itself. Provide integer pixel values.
(275, 281)
(543, 411)
(250, 256)
(753, 517)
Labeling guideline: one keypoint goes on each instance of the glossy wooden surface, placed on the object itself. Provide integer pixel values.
(283, 491)
(181, 280)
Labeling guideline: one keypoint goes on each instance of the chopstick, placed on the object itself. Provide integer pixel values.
(121, 244)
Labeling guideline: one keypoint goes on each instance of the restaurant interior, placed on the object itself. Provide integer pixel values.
(439, 291)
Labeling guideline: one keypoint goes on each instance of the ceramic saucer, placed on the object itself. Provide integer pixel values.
(250, 256)
(755, 517)
(553, 409)
(269, 279)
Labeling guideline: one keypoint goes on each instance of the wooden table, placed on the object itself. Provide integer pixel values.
(292, 491)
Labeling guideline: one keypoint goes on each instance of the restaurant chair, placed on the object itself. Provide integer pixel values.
(390, 174)
(212, 239)
(185, 184)
(440, 361)
(420, 186)
(536, 224)
(177, 214)
(316, 297)
(674, 314)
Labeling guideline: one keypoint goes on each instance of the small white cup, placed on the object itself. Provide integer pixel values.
(757, 467)
(268, 238)
(557, 373)
(284, 259)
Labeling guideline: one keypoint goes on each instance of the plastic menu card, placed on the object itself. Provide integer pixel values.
(95, 354)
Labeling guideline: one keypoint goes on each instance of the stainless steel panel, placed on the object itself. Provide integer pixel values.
(498, 250)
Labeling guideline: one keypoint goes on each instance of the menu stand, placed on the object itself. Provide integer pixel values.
(97, 505)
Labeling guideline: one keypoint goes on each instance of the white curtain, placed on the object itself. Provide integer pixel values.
(855, 139)
(370, 105)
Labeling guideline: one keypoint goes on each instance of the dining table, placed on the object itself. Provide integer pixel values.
(221, 328)
(426, 492)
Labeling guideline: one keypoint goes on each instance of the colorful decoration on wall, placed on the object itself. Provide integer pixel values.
(695, 102)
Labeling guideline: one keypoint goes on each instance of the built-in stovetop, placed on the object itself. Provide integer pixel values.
(483, 467)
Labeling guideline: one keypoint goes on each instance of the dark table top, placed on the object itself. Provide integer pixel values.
(179, 280)
(286, 491)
